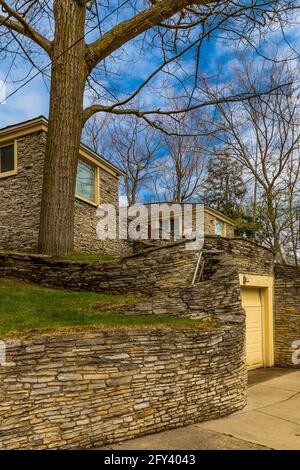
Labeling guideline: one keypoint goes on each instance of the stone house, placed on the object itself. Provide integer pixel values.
(22, 150)
(214, 222)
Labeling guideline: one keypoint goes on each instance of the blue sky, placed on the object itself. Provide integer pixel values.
(33, 99)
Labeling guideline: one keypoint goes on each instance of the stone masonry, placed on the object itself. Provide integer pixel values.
(20, 199)
(92, 388)
(147, 272)
(20, 196)
(286, 314)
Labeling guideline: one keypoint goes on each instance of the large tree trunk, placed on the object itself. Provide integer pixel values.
(64, 129)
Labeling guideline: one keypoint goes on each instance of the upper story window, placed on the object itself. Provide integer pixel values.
(86, 181)
(219, 228)
(8, 164)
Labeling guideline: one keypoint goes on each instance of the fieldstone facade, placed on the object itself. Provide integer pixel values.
(20, 196)
(287, 315)
(92, 388)
(20, 200)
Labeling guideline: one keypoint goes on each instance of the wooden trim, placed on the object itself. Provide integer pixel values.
(266, 285)
(15, 170)
(41, 124)
(97, 162)
(12, 135)
(96, 201)
(218, 215)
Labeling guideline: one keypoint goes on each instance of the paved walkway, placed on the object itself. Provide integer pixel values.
(271, 420)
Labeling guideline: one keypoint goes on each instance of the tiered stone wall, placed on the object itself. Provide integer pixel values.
(286, 314)
(249, 257)
(20, 202)
(216, 297)
(90, 388)
(145, 273)
(161, 276)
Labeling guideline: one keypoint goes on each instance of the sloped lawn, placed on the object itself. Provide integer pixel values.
(97, 257)
(26, 306)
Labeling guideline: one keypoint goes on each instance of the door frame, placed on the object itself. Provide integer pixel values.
(266, 286)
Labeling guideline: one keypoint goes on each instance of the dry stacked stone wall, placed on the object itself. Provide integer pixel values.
(90, 388)
(147, 272)
(287, 315)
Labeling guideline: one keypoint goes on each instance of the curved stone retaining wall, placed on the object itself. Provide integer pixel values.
(90, 388)
(148, 272)
(143, 273)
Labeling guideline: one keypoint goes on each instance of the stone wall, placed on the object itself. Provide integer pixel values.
(217, 296)
(90, 388)
(144, 273)
(20, 196)
(286, 314)
(249, 257)
(86, 220)
(161, 276)
(20, 201)
(161, 279)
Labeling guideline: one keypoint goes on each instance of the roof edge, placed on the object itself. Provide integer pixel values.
(42, 120)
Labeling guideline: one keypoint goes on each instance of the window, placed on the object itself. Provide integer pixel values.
(175, 227)
(219, 228)
(85, 181)
(7, 160)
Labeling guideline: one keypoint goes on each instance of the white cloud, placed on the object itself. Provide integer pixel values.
(29, 102)
(2, 92)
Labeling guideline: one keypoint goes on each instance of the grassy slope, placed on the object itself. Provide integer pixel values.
(100, 257)
(25, 306)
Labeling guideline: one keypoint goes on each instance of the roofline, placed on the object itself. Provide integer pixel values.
(219, 214)
(42, 121)
(206, 208)
(24, 125)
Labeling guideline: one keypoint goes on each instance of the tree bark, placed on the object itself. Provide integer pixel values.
(64, 129)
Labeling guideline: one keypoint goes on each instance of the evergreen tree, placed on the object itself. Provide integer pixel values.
(226, 190)
(224, 186)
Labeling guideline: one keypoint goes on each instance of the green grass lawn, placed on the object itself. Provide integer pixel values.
(100, 257)
(26, 306)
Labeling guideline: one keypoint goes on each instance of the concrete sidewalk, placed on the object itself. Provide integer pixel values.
(271, 420)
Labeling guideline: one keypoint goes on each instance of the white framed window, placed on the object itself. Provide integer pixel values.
(8, 159)
(87, 181)
(219, 227)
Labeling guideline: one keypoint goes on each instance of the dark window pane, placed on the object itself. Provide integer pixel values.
(7, 158)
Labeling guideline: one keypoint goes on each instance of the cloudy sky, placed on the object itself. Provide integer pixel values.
(33, 99)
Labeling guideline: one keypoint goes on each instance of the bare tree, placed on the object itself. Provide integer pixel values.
(182, 170)
(59, 28)
(96, 133)
(263, 134)
(131, 145)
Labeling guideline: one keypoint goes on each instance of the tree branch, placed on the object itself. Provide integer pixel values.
(21, 26)
(96, 108)
(129, 29)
